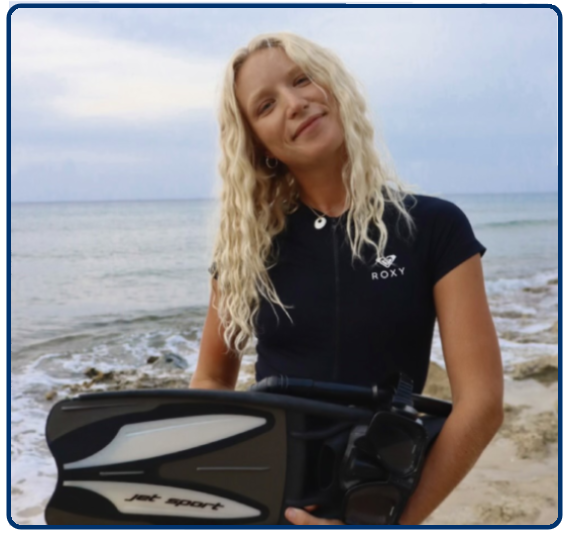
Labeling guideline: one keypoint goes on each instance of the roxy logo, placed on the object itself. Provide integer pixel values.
(392, 270)
(175, 502)
(386, 261)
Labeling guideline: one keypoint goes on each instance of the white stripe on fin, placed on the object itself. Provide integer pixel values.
(157, 438)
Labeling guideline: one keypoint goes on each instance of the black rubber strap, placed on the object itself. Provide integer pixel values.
(348, 394)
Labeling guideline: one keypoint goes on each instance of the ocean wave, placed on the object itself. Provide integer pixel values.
(173, 273)
(547, 279)
(517, 223)
(190, 316)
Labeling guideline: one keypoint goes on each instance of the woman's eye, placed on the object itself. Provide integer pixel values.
(266, 106)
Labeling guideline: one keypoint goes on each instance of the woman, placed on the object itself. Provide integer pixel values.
(327, 260)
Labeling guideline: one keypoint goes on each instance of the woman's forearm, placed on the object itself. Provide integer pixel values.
(467, 432)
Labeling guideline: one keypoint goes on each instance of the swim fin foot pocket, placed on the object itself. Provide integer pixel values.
(197, 457)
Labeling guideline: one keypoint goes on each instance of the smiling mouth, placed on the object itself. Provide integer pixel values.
(314, 120)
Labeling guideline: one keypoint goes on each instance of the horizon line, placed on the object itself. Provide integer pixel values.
(163, 200)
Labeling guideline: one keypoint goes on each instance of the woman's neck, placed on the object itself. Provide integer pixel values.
(323, 189)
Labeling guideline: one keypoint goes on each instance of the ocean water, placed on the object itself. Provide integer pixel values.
(123, 287)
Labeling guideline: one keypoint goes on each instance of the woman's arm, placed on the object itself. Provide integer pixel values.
(474, 366)
(217, 367)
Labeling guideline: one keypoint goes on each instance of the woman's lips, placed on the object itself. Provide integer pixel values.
(311, 124)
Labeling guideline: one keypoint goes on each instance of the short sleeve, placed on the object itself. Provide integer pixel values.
(453, 241)
(213, 270)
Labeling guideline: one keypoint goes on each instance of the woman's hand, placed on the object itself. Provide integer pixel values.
(296, 516)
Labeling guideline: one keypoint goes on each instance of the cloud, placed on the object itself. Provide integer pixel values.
(397, 52)
(108, 77)
(24, 156)
(120, 102)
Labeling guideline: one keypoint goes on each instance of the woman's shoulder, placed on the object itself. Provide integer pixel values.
(429, 209)
(428, 203)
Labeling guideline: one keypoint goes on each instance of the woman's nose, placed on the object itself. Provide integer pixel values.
(295, 103)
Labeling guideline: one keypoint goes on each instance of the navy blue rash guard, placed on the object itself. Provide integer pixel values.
(359, 322)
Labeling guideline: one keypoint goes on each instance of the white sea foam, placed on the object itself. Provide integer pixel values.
(524, 319)
(506, 286)
(33, 471)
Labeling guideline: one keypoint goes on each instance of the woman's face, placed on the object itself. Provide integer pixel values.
(293, 118)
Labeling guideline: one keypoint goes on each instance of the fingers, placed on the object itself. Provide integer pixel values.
(301, 517)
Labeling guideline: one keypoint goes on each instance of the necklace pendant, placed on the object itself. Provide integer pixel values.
(320, 222)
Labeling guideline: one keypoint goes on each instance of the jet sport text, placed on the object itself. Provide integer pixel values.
(175, 502)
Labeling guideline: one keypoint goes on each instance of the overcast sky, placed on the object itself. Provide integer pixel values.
(120, 103)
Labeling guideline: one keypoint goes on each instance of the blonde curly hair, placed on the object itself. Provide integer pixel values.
(255, 201)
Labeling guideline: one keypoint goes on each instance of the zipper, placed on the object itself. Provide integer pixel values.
(337, 306)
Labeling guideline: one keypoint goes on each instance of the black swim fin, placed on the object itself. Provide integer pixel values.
(190, 457)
